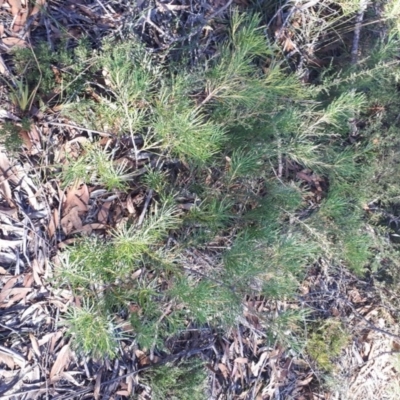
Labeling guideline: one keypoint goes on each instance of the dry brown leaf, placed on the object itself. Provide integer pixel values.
(104, 212)
(53, 223)
(12, 212)
(16, 5)
(59, 304)
(66, 243)
(26, 140)
(35, 345)
(305, 382)
(28, 280)
(77, 196)
(96, 391)
(36, 277)
(9, 284)
(71, 222)
(14, 42)
(37, 270)
(15, 295)
(61, 362)
(136, 274)
(288, 44)
(20, 21)
(143, 358)
(17, 175)
(123, 392)
(255, 369)
(223, 368)
(7, 360)
(37, 7)
(5, 170)
(31, 139)
(129, 205)
(46, 338)
(241, 360)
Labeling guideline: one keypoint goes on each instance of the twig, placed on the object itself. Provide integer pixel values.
(157, 28)
(153, 346)
(80, 128)
(369, 323)
(357, 31)
(145, 207)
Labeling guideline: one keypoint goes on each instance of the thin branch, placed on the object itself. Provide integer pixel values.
(80, 128)
(146, 206)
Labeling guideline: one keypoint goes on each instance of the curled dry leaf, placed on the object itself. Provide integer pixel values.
(77, 196)
(104, 212)
(96, 391)
(71, 221)
(35, 345)
(62, 361)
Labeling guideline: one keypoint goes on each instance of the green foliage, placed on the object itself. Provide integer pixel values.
(206, 301)
(184, 381)
(131, 241)
(61, 74)
(10, 135)
(21, 95)
(93, 332)
(326, 342)
(243, 128)
(191, 136)
(95, 166)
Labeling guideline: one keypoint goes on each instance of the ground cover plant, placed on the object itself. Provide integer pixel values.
(207, 186)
